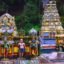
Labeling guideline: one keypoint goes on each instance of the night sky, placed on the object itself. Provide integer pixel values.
(45, 2)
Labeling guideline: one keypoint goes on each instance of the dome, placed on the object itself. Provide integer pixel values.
(6, 15)
(33, 31)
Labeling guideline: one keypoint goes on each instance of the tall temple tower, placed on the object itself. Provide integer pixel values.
(51, 26)
(51, 20)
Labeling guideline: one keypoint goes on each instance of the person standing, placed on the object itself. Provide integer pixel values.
(22, 47)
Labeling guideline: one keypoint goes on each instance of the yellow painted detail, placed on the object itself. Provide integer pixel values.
(16, 49)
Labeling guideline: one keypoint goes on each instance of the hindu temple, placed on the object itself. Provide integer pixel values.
(8, 31)
(51, 26)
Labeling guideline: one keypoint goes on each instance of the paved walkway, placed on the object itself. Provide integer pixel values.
(38, 60)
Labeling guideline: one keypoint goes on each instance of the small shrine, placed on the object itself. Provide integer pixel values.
(7, 24)
(33, 32)
(8, 31)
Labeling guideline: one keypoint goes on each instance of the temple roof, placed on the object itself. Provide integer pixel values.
(33, 31)
(6, 15)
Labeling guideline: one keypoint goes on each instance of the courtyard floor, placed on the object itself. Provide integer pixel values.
(52, 58)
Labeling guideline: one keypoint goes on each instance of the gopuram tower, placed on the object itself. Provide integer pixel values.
(51, 19)
(51, 26)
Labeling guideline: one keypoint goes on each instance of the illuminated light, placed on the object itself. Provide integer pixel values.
(60, 41)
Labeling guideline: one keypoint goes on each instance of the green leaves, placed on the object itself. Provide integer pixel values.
(60, 6)
(30, 16)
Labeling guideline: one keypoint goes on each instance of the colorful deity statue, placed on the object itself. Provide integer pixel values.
(34, 46)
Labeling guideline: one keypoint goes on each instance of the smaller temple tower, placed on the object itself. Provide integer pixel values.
(8, 33)
(8, 28)
(7, 23)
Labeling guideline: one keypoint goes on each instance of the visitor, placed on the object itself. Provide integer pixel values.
(22, 47)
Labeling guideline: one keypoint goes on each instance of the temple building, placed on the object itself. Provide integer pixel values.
(8, 36)
(7, 23)
(8, 28)
(51, 19)
(51, 24)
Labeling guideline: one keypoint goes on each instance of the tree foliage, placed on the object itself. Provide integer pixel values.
(60, 6)
(62, 20)
(30, 16)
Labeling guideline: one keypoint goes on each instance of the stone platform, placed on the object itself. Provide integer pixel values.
(58, 58)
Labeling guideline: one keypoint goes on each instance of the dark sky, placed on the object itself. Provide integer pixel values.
(45, 2)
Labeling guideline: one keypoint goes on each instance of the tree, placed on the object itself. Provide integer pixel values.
(31, 15)
(60, 6)
(62, 20)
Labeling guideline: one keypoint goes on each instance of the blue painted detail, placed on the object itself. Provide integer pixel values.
(50, 41)
(47, 50)
(45, 40)
(46, 34)
(49, 38)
